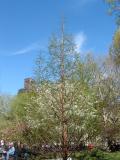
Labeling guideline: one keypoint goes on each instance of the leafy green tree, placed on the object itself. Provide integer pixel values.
(65, 99)
(108, 105)
(115, 49)
(4, 111)
(17, 122)
(4, 105)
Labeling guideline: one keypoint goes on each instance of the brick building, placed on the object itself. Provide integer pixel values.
(29, 85)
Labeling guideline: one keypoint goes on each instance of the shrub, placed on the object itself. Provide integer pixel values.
(93, 155)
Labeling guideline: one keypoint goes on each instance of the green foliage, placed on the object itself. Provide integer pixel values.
(115, 49)
(114, 8)
(75, 99)
(5, 101)
(97, 155)
(87, 98)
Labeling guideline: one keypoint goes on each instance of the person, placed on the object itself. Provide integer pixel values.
(21, 151)
(3, 150)
(25, 151)
(90, 146)
(2, 142)
(11, 151)
(18, 150)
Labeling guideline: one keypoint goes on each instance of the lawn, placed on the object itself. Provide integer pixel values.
(97, 155)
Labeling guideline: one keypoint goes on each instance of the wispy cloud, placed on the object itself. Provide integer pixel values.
(80, 40)
(33, 47)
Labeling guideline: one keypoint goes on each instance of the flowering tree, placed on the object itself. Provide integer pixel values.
(64, 105)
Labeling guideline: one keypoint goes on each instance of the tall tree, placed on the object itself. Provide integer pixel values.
(115, 49)
(65, 101)
(114, 8)
(108, 92)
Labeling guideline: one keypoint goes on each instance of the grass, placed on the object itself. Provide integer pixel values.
(97, 155)
(85, 155)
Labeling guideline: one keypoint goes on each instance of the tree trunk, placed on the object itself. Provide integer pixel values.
(65, 144)
(63, 116)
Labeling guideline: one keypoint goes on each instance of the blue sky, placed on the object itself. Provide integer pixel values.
(26, 26)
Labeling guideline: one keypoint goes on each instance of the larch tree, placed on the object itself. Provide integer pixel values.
(65, 102)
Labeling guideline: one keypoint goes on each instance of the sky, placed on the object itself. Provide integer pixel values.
(27, 25)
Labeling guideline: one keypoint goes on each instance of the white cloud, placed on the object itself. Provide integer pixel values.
(33, 47)
(80, 40)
